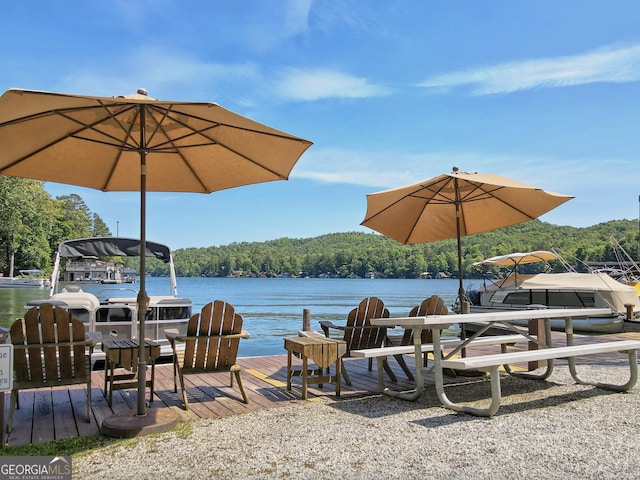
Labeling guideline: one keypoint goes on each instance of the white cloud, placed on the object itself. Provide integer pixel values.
(381, 170)
(374, 169)
(604, 65)
(310, 85)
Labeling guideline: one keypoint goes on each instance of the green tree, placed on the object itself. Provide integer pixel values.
(73, 219)
(26, 222)
(98, 227)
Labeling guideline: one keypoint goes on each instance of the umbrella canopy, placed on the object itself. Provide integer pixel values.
(454, 205)
(97, 142)
(137, 143)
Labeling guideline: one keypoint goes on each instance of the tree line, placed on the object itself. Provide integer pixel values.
(359, 255)
(32, 224)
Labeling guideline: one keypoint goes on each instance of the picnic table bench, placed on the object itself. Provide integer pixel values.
(492, 363)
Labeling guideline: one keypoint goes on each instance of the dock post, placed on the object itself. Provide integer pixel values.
(306, 320)
(536, 328)
(630, 313)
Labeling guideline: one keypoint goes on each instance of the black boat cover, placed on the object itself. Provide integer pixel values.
(111, 247)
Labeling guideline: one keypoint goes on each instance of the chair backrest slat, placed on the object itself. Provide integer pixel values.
(190, 345)
(20, 360)
(32, 333)
(204, 328)
(228, 347)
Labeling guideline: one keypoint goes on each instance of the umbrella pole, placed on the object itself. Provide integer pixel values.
(142, 294)
(463, 309)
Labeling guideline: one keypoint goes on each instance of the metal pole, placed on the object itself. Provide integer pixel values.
(142, 294)
(458, 235)
(463, 333)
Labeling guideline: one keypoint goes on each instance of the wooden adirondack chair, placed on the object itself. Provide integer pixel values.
(50, 349)
(211, 345)
(434, 305)
(360, 334)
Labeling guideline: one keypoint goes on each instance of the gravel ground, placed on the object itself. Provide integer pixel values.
(544, 430)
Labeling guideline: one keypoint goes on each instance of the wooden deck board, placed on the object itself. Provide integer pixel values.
(60, 412)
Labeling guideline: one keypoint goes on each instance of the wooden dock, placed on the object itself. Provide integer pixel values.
(48, 414)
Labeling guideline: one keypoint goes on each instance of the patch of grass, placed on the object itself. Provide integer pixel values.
(183, 429)
(67, 446)
(83, 445)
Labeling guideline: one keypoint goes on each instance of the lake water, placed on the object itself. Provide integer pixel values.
(272, 308)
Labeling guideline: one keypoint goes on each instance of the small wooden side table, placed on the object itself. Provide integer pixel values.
(324, 352)
(124, 354)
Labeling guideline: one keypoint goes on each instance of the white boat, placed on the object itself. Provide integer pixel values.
(27, 278)
(518, 291)
(113, 310)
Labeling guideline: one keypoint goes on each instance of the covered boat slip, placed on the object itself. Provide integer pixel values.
(56, 413)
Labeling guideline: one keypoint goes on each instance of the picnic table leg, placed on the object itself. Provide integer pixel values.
(289, 372)
(305, 376)
(548, 341)
(633, 366)
(494, 376)
(496, 394)
(410, 395)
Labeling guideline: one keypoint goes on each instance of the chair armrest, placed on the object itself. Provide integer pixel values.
(326, 325)
(171, 334)
(93, 338)
(310, 333)
(174, 337)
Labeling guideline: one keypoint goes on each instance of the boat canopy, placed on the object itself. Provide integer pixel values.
(110, 247)
(518, 259)
(572, 280)
(620, 294)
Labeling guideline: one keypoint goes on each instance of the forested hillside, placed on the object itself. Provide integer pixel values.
(362, 254)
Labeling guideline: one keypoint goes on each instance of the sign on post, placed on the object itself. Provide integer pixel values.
(6, 367)
(6, 381)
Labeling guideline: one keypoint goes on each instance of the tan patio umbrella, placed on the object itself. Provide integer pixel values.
(454, 205)
(137, 143)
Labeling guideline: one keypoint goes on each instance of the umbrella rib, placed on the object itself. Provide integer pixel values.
(434, 200)
(178, 151)
(64, 113)
(498, 187)
(211, 139)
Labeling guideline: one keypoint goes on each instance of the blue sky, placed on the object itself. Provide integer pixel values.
(391, 93)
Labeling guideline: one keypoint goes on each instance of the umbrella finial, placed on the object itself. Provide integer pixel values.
(455, 169)
(142, 91)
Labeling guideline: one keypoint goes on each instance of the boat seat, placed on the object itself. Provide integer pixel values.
(72, 289)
